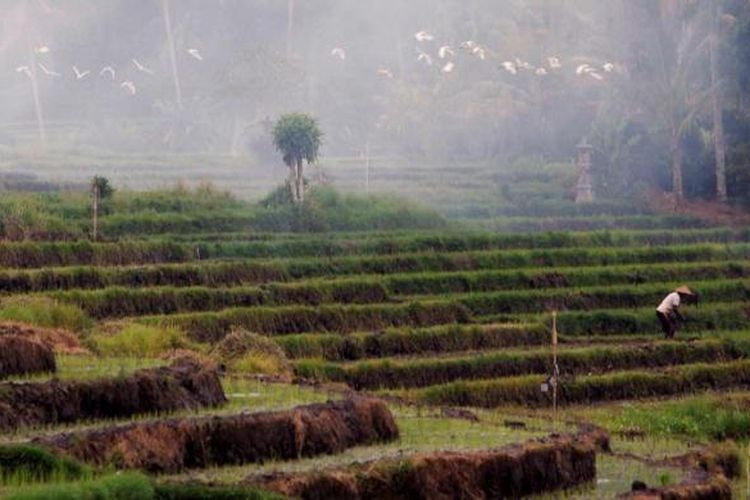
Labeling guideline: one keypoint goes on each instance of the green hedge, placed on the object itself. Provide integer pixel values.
(236, 273)
(119, 302)
(395, 373)
(36, 255)
(405, 341)
(380, 243)
(210, 273)
(480, 281)
(212, 326)
(719, 316)
(537, 301)
(525, 391)
(41, 254)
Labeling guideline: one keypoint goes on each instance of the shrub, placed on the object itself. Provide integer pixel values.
(248, 352)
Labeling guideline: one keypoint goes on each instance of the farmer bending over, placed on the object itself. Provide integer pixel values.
(668, 311)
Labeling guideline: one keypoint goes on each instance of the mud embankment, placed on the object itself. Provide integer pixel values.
(171, 445)
(184, 385)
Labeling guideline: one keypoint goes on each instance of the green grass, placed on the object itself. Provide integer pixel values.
(121, 486)
(140, 341)
(703, 417)
(24, 464)
(44, 311)
(119, 302)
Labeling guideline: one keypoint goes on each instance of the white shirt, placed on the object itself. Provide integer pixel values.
(670, 303)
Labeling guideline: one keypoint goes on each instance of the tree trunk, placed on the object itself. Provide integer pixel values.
(717, 103)
(95, 210)
(300, 183)
(675, 153)
(292, 183)
(237, 142)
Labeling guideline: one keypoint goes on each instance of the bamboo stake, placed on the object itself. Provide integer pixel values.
(555, 369)
(37, 100)
(367, 167)
(172, 54)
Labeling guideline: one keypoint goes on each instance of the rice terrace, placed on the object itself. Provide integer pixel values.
(440, 249)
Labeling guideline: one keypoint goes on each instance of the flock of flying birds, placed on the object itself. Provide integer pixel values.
(445, 53)
(106, 71)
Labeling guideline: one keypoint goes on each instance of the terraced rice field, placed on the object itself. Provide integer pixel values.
(431, 322)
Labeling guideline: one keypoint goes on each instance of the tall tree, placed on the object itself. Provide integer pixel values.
(298, 137)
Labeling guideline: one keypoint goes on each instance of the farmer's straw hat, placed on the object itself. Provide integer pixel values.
(684, 290)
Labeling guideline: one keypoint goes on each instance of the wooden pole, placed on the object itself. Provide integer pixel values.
(555, 369)
(172, 54)
(367, 167)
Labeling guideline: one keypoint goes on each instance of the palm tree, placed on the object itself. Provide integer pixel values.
(298, 138)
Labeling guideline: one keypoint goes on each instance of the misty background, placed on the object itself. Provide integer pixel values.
(386, 112)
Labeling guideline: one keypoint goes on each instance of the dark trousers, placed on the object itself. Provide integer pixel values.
(668, 324)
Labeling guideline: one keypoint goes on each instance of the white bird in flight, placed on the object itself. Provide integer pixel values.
(479, 52)
(130, 86)
(25, 70)
(468, 44)
(523, 64)
(445, 51)
(80, 74)
(339, 52)
(195, 54)
(541, 71)
(141, 67)
(385, 72)
(425, 58)
(423, 36)
(554, 62)
(108, 70)
(608, 67)
(595, 75)
(42, 50)
(448, 68)
(47, 71)
(582, 69)
(510, 67)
